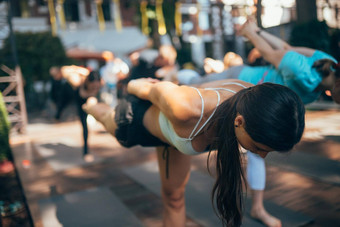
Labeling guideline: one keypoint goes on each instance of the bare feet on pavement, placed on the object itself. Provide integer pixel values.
(88, 158)
(267, 219)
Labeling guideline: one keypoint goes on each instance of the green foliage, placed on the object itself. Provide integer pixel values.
(335, 44)
(37, 52)
(184, 54)
(169, 15)
(4, 131)
(314, 34)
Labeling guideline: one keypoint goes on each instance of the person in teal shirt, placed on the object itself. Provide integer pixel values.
(306, 71)
(295, 70)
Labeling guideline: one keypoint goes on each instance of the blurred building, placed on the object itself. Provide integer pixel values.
(207, 25)
(79, 27)
(210, 25)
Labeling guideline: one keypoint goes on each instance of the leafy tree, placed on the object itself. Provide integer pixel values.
(314, 34)
(5, 149)
(37, 52)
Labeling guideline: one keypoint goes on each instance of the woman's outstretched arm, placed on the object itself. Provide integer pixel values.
(273, 56)
(279, 44)
(176, 102)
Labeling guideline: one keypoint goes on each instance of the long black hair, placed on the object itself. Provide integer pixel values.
(274, 116)
(92, 77)
(325, 67)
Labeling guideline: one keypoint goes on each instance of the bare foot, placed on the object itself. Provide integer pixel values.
(97, 110)
(102, 113)
(90, 102)
(88, 158)
(267, 219)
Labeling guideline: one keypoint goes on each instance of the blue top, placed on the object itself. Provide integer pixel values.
(295, 71)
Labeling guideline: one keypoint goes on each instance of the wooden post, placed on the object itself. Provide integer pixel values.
(14, 98)
(21, 95)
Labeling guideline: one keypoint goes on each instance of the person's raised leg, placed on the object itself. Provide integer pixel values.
(256, 174)
(173, 187)
(102, 113)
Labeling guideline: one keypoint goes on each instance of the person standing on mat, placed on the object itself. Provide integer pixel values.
(61, 91)
(86, 84)
(183, 121)
(307, 71)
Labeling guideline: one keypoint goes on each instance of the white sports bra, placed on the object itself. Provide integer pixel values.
(184, 145)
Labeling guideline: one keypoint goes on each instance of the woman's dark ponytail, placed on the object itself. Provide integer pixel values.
(274, 116)
(227, 191)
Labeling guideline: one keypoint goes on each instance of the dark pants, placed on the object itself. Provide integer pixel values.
(62, 95)
(82, 116)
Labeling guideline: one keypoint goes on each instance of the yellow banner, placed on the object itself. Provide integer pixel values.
(199, 30)
(52, 17)
(61, 14)
(160, 17)
(145, 21)
(100, 15)
(178, 18)
(117, 16)
(24, 9)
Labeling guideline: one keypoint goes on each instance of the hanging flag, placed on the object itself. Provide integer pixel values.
(52, 17)
(178, 18)
(24, 9)
(100, 15)
(199, 30)
(117, 16)
(144, 16)
(144, 22)
(160, 17)
(61, 14)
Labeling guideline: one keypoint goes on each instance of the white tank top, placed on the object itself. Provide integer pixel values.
(184, 145)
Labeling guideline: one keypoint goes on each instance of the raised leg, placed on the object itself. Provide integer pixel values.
(173, 187)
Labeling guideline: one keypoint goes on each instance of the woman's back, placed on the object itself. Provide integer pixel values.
(186, 131)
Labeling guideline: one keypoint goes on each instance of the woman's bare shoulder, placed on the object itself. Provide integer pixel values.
(226, 83)
(184, 103)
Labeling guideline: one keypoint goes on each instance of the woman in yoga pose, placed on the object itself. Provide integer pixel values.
(85, 84)
(188, 121)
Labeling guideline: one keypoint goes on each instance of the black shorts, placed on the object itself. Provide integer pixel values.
(130, 130)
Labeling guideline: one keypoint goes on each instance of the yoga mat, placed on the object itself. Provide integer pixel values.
(88, 208)
(198, 202)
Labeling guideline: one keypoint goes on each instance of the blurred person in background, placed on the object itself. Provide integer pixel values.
(61, 91)
(230, 59)
(159, 64)
(255, 58)
(114, 70)
(210, 66)
(85, 84)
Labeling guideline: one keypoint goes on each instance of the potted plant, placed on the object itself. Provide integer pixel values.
(6, 165)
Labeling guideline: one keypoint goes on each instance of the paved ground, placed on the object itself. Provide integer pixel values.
(121, 187)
